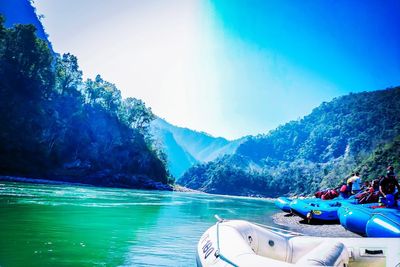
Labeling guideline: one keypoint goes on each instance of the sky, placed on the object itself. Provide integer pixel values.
(231, 68)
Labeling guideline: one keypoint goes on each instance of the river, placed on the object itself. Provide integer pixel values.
(66, 225)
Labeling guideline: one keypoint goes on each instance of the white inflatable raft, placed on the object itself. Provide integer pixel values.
(241, 243)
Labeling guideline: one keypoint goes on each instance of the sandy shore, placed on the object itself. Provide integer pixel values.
(297, 224)
(179, 188)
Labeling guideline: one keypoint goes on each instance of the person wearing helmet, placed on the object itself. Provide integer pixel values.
(387, 187)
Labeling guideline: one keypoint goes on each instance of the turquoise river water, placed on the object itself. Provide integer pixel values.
(64, 225)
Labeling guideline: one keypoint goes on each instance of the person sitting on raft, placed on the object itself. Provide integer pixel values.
(366, 186)
(387, 188)
(375, 183)
(370, 194)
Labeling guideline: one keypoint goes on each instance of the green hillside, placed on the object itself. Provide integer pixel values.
(56, 126)
(376, 163)
(314, 152)
(184, 147)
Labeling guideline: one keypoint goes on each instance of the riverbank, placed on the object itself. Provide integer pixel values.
(38, 181)
(298, 224)
(179, 188)
(158, 186)
(141, 183)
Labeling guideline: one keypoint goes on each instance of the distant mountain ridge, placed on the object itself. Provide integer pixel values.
(185, 147)
(302, 156)
(354, 132)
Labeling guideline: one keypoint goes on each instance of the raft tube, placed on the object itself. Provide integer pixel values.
(245, 244)
(283, 203)
(384, 225)
(355, 217)
(317, 209)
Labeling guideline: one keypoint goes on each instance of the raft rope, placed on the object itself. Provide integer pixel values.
(279, 230)
(276, 229)
(218, 253)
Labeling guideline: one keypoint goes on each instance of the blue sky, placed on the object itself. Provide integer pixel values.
(231, 68)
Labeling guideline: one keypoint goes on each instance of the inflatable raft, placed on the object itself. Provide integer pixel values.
(355, 218)
(241, 243)
(283, 203)
(384, 225)
(315, 209)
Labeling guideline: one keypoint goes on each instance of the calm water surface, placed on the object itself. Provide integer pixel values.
(63, 225)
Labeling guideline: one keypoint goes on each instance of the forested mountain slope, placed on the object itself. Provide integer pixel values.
(56, 126)
(178, 159)
(374, 165)
(185, 147)
(305, 155)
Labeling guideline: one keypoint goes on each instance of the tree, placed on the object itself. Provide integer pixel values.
(106, 94)
(137, 115)
(26, 83)
(68, 75)
(26, 64)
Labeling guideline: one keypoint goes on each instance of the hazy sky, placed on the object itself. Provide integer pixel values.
(231, 68)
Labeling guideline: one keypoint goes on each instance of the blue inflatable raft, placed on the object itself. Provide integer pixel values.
(283, 203)
(355, 217)
(384, 225)
(317, 209)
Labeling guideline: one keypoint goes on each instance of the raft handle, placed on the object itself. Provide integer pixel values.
(373, 252)
(219, 219)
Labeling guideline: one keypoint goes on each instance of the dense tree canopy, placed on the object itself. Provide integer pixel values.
(55, 126)
(317, 151)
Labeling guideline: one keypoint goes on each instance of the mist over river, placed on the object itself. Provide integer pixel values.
(67, 225)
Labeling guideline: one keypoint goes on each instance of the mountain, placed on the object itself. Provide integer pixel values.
(178, 159)
(315, 152)
(52, 150)
(56, 126)
(185, 147)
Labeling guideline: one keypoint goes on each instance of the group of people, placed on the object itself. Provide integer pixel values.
(385, 189)
(353, 186)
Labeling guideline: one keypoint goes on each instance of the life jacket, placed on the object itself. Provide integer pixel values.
(373, 197)
(343, 188)
(320, 193)
(330, 194)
